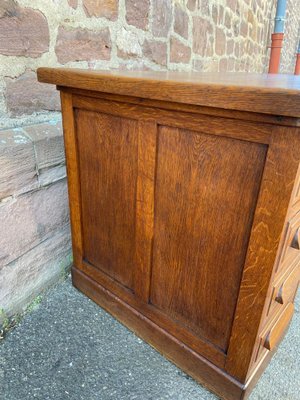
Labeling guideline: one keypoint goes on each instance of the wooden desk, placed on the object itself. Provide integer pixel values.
(185, 210)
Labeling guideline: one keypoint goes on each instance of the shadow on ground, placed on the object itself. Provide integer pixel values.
(69, 348)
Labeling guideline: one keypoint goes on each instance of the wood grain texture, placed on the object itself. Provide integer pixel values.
(289, 251)
(295, 201)
(270, 94)
(283, 290)
(275, 193)
(145, 207)
(205, 185)
(286, 290)
(108, 149)
(188, 108)
(176, 329)
(192, 363)
(277, 330)
(182, 188)
(74, 184)
(243, 130)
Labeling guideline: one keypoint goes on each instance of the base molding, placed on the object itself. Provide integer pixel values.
(190, 362)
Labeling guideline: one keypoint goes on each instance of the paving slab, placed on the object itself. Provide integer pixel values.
(69, 348)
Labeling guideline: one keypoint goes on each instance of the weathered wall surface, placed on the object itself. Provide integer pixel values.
(202, 35)
(35, 247)
(292, 36)
(224, 35)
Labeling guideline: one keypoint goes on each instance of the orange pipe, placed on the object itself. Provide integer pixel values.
(276, 46)
(297, 66)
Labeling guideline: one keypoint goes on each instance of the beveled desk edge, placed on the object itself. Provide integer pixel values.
(264, 94)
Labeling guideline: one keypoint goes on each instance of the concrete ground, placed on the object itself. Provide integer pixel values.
(69, 348)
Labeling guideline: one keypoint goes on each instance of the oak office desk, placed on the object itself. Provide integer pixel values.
(185, 209)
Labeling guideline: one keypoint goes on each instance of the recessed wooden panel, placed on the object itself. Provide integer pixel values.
(206, 192)
(108, 173)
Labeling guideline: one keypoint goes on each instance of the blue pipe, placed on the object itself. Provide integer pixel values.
(298, 50)
(280, 16)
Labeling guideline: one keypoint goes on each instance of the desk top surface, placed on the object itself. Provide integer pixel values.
(261, 93)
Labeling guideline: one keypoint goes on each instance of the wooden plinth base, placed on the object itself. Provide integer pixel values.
(192, 363)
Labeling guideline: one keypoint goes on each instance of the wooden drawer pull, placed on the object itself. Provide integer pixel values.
(279, 328)
(296, 240)
(280, 296)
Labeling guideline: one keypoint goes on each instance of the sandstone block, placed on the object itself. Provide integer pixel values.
(30, 219)
(230, 64)
(227, 21)
(23, 31)
(155, 51)
(214, 13)
(137, 13)
(23, 279)
(26, 95)
(73, 3)
(201, 31)
(244, 29)
(179, 53)
(17, 163)
(48, 143)
(77, 44)
(101, 8)
(191, 4)
(220, 15)
(181, 21)
(231, 4)
(162, 17)
(237, 49)
(51, 175)
(220, 43)
(217, 14)
(230, 47)
(223, 65)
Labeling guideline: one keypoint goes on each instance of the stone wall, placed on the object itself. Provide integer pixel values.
(224, 35)
(35, 244)
(202, 35)
(292, 36)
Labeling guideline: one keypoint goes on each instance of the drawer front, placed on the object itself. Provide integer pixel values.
(272, 334)
(296, 192)
(276, 331)
(284, 290)
(291, 248)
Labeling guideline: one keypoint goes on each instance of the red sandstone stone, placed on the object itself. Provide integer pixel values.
(191, 4)
(162, 17)
(137, 13)
(76, 44)
(201, 30)
(73, 3)
(231, 4)
(155, 51)
(179, 53)
(23, 31)
(26, 95)
(181, 21)
(101, 8)
(230, 47)
(17, 163)
(220, 42)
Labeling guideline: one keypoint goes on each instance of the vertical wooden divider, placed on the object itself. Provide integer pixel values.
(147, 142)
(72, 163)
